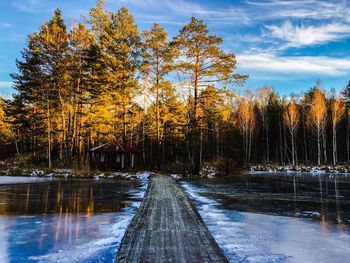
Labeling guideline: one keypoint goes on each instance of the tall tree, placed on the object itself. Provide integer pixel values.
(80, 44)
(6, 132)
(291, 119)
(337, 113)
(118, 59)
(202, 59)
(52, 42)
(158, 57)
(346, 94)
(317, 116)
(42, 78)
(264, 94)
(247, 124)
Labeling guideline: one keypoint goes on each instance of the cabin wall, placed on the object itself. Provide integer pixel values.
(112, 161)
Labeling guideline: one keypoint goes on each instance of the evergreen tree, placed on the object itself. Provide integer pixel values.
(158, 57)
(202, 59)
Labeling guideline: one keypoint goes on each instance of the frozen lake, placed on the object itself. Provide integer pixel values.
(65, 220)
(254, 218)
(277, 217)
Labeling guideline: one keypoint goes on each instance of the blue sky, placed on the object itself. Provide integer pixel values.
(284, 44)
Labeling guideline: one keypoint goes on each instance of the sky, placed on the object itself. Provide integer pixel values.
(285, 44)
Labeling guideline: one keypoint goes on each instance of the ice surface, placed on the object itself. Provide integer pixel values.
(21, 179)
(67, 237)
(62, 238)
(250, 237)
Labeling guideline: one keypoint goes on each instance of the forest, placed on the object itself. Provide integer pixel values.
(178, 99)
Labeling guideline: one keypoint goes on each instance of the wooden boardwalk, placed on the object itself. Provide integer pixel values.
(168, 228)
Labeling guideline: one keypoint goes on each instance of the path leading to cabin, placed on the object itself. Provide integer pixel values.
(168, 228)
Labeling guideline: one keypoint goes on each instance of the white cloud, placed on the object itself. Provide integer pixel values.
(6, 84)
(327, 66)
(300, 35)
(301, 9)
(176, 11)
(5, 25)
(29, 6)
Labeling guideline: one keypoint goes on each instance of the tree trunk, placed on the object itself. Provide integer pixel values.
(49, 134)
(334, 145)
(347, 137)
(126, 160)
(267, 139)
(158, 123)
(196, 128)
(318, 148)
(284, 145)
(293, 155)
(280, 142)
(324, 142)
(305, 145)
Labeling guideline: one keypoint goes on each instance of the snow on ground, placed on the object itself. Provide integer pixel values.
(124, 175)
(176, 176)
(250, 237)
(299, 169)
(21, 179)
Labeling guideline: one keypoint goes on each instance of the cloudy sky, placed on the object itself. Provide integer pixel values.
(287, 44)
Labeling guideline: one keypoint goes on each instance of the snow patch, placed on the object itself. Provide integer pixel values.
(298, 169)
(176, 176)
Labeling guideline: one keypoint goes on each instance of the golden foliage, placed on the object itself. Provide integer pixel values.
(291, 117)
(317, 114)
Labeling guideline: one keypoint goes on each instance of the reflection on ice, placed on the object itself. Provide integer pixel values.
(253, 237)
(22, 179)
(62, 238)
(66, 221)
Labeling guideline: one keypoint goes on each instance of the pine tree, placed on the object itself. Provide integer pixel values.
(202, 59)
(118, 53)
(6, 132)
(80, 45)
(158, 57)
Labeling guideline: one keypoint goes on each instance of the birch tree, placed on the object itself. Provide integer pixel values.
(263, 95)
(291, 119)
(317, 117)
(246, 121)
(337, 113)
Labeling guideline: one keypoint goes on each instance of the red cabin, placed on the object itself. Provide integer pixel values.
(113, 156)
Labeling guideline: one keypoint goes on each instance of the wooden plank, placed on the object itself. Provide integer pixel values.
(168, 228)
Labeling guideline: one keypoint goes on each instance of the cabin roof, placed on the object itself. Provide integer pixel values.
(115, 147)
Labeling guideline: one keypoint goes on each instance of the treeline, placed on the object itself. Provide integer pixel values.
(104, 80)
(312, 128)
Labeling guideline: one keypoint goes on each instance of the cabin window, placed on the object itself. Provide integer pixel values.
(117, 158)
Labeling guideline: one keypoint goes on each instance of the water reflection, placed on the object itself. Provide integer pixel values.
(76, 196)
(65, 221)
(322, 197)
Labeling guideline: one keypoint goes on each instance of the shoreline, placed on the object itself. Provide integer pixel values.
(335, 169)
